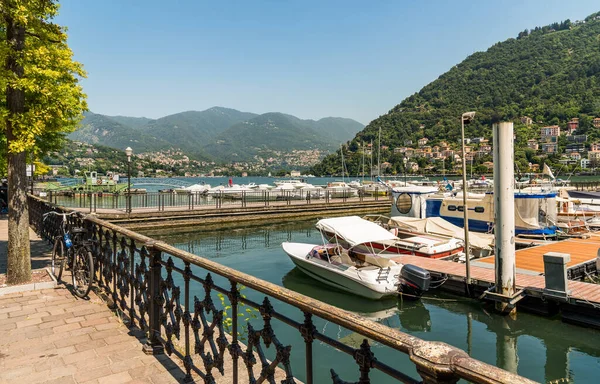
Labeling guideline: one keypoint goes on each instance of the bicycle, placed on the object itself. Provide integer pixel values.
(75, 252)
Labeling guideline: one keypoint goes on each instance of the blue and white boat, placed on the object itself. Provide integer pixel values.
(535, 213)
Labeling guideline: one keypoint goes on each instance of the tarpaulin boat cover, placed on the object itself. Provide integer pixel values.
(355, 230)
(439, 226)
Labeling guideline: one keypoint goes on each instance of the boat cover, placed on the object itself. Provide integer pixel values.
(355, 230)
(439, 226)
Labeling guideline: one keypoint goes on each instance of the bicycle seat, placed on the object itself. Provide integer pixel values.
(78, 230)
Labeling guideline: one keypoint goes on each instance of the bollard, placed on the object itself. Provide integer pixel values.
(555, 274)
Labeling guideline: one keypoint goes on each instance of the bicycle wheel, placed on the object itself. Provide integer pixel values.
(59, 254)
(82, 272)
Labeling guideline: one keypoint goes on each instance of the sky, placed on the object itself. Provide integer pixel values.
(311, 59)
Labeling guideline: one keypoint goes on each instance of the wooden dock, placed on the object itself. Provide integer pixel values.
(582, 306)
(583, 256)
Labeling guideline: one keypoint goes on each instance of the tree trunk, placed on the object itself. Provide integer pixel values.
(19, 259)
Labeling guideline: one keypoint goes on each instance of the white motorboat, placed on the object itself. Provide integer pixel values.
(367, 236)
(199, 189)
(366, 275)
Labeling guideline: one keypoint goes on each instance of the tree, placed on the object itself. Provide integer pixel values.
(41, 101)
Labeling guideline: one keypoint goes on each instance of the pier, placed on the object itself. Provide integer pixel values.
(581, 306)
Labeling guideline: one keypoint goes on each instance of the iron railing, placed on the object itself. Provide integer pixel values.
(153, 283)
(188, 200)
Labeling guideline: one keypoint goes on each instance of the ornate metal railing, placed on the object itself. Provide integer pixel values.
(187, 200)
(153, 284)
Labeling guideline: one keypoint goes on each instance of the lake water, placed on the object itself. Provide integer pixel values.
(542, 349)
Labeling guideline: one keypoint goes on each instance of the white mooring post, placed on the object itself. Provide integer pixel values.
(504, 211)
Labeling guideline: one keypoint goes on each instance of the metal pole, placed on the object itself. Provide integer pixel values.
(465, 208)
(504, 208)
(128, 184)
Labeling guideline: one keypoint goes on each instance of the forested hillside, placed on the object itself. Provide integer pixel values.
(550, 74)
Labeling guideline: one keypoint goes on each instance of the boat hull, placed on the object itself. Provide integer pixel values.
(348, 280)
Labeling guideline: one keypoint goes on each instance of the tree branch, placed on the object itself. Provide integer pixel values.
(43, 38)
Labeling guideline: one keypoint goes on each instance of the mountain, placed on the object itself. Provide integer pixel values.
(220, 133)
(102, 130)
(268, 133)
(133, 122)
(191, 130)
(338, 128)
(550, 74)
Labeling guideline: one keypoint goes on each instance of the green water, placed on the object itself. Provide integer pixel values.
(539, 348)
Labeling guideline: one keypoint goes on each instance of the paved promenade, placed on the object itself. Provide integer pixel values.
(50, 336)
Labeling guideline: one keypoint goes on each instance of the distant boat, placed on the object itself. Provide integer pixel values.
(93, 182)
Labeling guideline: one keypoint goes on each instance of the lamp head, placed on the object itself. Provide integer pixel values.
(128, 151)
(468, 116)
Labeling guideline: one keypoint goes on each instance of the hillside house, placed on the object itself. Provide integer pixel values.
(533, 144)
(550, 147)
(596, 122)
(485, 148)
(412, 166)
(408, 142)
(423, 141)
(584, 163)
(478, 140)
(489, 165)
(594, 158)
(577, 138)
(535, 167)
(595, 147)
(550, 134)
(526, 120)
(398, 150)
(448, 153)
(384, 147)
(435, 148)
(572, 126)
(575, 147)
(575, 156)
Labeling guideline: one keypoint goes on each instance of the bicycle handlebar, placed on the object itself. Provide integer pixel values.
(64, 215)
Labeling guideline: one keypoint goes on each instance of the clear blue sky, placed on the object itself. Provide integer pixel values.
(310, 59)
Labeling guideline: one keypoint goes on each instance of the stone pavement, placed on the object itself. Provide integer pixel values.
(50, 336)
(41, 250)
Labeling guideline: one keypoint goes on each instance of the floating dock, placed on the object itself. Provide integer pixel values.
(531, 260)
(581, 306)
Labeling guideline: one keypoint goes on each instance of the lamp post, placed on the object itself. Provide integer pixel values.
(128, 152)
(465, 118)
(405, 161)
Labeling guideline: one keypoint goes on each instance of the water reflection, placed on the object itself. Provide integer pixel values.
(533, 346)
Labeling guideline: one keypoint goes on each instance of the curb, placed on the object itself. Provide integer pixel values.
(31, 287)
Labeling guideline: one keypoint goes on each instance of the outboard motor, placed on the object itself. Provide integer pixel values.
(414, 281)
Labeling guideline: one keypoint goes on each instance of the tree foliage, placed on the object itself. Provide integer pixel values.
(54, 99)
(40, 100)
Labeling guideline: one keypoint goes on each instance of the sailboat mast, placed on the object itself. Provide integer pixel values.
(379, 155)
(342, 153)
(371, 154)
(363, 162)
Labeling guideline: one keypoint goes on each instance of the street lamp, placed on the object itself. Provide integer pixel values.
(405, 161)
(466, 118)
(128, 152)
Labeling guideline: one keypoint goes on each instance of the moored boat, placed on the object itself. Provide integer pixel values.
(367, 236)
(366, 275)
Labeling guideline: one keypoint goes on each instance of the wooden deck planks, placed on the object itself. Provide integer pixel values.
(532, 259)
(579, 290)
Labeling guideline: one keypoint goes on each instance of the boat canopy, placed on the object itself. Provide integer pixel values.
(355, 230)
(439, 226)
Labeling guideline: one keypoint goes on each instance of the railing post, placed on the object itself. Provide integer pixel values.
(153, 345)
(434, 361)
(308, 330)
(234, 348)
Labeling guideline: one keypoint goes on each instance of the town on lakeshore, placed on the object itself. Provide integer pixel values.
(455, 237)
